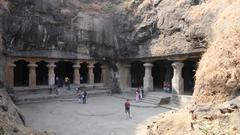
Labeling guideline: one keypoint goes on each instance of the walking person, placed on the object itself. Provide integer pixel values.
(84, 98)
(127, 108)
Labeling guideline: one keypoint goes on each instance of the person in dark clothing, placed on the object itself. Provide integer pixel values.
(84, 97)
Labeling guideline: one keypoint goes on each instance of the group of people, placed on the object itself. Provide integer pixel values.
(139, 94)
(82, 96)
(59, 82)
(166, 87)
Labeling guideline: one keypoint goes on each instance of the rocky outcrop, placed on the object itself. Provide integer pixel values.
(218, 75)
(198, 120)
(2, 49)
(11, 120)
(106, 29)
(216, 100)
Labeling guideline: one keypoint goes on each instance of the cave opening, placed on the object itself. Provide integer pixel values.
(188, 75)
(21, 73)
(97, 71)
(42, 73)
(162, 73)
(64, 69)
(84, 73)
(137, 74)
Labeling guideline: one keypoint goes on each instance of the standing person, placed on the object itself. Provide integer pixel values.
(84, 97)
(142, 91)
(67, 83)
(127, 108)
(137, 96)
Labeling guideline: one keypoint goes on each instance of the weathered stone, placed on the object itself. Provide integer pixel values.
(165, 100)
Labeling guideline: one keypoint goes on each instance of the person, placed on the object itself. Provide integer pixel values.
(127, 108)
(137, 96)
(57, 86)
(80, 95)
(84, 98)
(142, 91)
(67, 83)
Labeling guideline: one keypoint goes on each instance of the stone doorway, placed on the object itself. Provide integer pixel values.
(188, 75)
(97, 73)
(42, 73)
(64, 69)
(158, 73)
(84, 73)
(137, 74)
(21, 73)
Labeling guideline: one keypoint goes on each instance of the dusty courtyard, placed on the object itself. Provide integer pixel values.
(102, 115)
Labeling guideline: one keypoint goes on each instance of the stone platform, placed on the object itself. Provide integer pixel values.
(35, 95)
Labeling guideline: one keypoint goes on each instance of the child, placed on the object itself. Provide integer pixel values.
(127, 108)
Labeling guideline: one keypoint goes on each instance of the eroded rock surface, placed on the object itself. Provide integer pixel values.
(106, 29)
(11, 120)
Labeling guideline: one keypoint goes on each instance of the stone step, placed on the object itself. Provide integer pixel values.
(45, 97)
(46, 89)
(157, 98)
(150, 102)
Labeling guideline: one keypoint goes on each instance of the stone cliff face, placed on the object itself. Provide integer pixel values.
(105, 29)
(2, 49)
(56, 25)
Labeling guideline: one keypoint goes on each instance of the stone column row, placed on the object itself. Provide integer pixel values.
(51, 75)
(177, 80)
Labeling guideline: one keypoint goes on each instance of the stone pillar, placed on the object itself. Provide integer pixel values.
(32, 74)
(104, 77)
(90, 73)
(76, 75)
(148, 79)
(10, 75)
(127, 76)
(51, 74)
(177, 80)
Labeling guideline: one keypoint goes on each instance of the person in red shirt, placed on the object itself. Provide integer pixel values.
(127, 108)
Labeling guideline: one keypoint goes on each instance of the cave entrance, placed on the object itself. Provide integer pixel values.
(64, 69)
(42, 73)
(21, 73)
(188, 75)
(162, 73)
(84, 73)
(97, 71)
(137, 74)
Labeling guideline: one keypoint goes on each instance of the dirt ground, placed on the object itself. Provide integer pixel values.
(101, 115)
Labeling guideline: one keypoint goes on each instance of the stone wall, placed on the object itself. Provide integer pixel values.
(2, 57)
